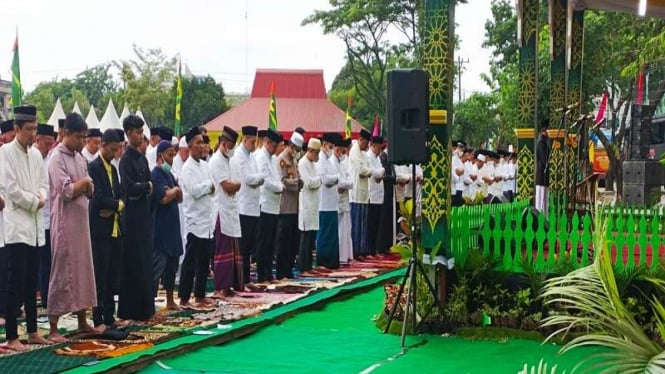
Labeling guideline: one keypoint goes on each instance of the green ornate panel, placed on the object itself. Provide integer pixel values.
(558, 19)
(527, 98)
(437, 59)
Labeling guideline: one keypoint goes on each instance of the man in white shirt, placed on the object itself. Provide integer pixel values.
(360, 172)
(509, 182)
(470, 174)
(244, 165)
(93, 139)
(344, 185)
(6, 133)
(228, 259)
(271, 191)
(495, 189)
(308, 205)
(44, 140)
(198, 189)
(457, 173)
(25, 186)
(151, 146)
(327, 239)
(181, 157)
(376, 193)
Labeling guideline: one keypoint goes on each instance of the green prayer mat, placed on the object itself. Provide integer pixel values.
(342, 338)
(40, 361)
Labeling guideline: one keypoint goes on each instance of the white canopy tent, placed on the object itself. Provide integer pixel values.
(91, 119)
(58, 113)
(146, 128)
(76, 108)
(110, 118)
(125, 113)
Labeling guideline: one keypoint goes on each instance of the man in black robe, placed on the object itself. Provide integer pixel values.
(136, 300)
(385, 233)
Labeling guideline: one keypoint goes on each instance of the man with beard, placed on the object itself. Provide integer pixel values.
(287, 224)
(166, 223)
(244, 164)
(136, 301)
(25, 187)
(105, 208)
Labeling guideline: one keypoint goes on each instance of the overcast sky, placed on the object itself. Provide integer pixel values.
(228, 39)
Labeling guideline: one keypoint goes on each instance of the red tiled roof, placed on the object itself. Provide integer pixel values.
(314, 115)
(289, 83)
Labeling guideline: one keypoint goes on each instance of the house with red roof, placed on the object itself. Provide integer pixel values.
(301, 100)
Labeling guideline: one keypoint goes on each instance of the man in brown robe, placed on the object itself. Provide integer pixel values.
(72, 284)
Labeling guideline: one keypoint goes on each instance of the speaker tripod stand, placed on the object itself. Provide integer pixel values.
(415, 267)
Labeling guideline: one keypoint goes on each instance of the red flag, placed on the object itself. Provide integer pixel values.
(377, 126)
(601, 110)
(640, 88)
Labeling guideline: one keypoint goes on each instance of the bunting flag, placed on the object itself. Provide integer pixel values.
(600, 116)
(347, 124)
(17, 91)
(272, 114)
(377, 126)
(178, 101)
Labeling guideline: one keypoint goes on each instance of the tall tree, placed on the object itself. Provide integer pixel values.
(95, 83)
(203, 99)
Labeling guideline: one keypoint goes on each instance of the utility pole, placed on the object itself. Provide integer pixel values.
(460, 68)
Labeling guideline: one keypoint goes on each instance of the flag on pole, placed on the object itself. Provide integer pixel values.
(272, 115)
(601, 110)
(178, 101)
(377, 126)
(17, 91)
(347, 124)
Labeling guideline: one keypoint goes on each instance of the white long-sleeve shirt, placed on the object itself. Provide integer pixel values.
(151, 156)
(24, 183)
(178, 163)
(225, 205)
(308, 200)
(344, 185)
(457, 181)
(329, 179)
(271, 190)
(376, 191)
(244, 164)
(197, 201)
(360, 172)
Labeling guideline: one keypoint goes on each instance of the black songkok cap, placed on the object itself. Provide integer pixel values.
(25, 113)
(274, 136)
(192, 134)
(206, 139)
(112, 136)
(330, 137)
(165, 133)
(346, 142)
(262, 133)
(44, 129)
(94, 133)
(121, 135)
(230, 134)
(7, 126)
(155, 131)
(61, 123)
(249, 130)
(74, 122)
(377, 139)
(300, 131)
(365, 134)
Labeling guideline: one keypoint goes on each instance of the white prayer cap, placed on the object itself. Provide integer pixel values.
(183, 143)
(481, 157)
(314, 143)
(297, 139)
(174, 141)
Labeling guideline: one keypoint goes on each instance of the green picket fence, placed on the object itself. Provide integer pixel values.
(504, 232)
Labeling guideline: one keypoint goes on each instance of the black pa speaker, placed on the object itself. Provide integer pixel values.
(408, 116)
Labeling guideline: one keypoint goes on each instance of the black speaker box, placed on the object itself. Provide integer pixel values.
(407, 116)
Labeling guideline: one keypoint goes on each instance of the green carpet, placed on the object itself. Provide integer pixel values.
(342, 338)
(40, 361)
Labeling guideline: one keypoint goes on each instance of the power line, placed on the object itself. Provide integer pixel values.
(460, 68)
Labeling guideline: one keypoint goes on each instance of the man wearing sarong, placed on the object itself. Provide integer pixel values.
(308, 205)
(25, 188)
(287, 224)
(376, 194)
(167, 241)
(198, 189)
(3, 263)
(105, 208)
(271, 192)
(340, 167)
(360, 173)
(135, 301)
(228, 259)
(327, 240)
(244, 165)
(44, 141)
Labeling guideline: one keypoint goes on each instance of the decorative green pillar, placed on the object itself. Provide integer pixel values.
(527, 35)
(557, 21)
(438, 43)
(574, 60)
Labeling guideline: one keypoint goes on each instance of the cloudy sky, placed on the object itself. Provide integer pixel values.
(228, 39)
